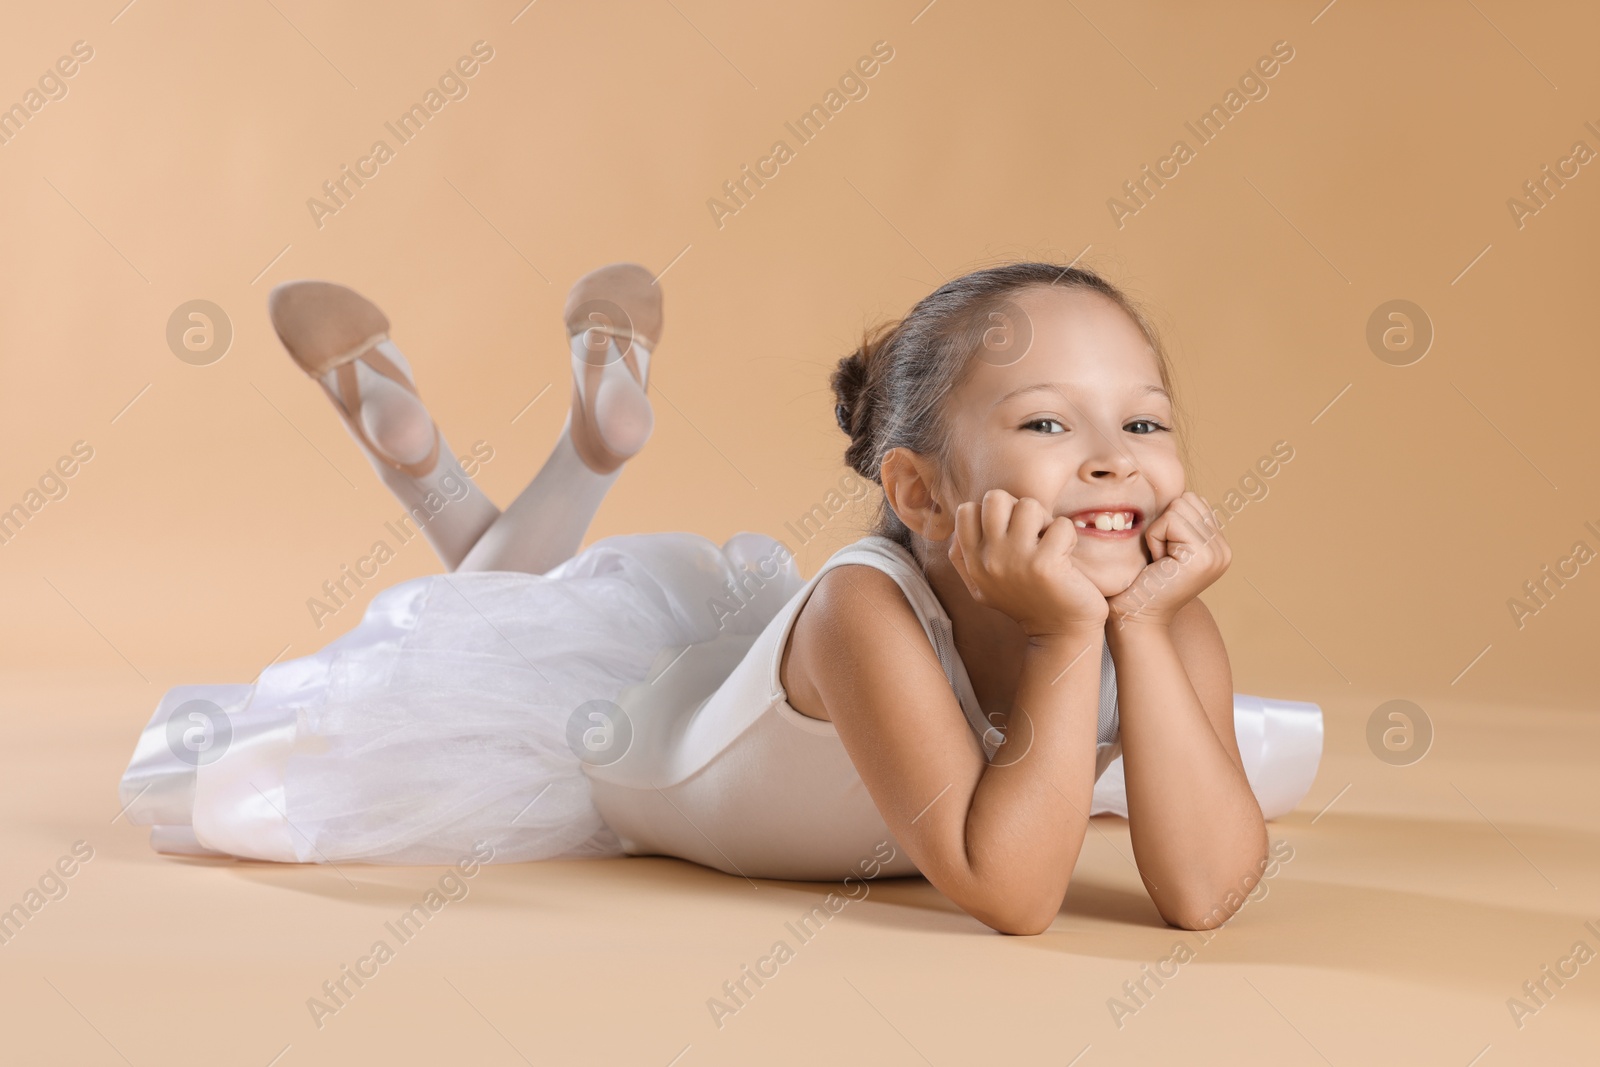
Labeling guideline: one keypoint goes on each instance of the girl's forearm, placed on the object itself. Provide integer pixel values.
(1195, 824)
(1029, 811)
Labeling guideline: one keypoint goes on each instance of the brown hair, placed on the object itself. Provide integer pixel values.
(891, 390)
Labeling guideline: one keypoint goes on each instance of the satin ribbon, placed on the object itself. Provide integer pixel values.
(1280, 743)
(234, 805)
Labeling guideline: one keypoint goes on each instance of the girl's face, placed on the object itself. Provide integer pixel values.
(1065, 404)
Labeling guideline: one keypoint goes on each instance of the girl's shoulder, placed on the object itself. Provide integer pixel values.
(895, 567)
(869, 583)
(866, 599)
(857, 588)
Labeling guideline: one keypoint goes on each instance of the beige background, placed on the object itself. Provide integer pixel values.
(1378, 566)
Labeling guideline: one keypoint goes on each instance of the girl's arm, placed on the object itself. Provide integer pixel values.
(1000, 838)
(1199, 839)
(1198, 836)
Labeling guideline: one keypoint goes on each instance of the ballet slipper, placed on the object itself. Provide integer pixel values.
(613, 318)
(327, 328)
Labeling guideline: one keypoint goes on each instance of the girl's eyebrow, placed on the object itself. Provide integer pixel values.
(1056, 388)
(1036, 387)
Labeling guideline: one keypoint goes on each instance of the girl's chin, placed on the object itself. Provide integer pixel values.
(1112, 578)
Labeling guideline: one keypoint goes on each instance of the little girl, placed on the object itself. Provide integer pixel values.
(944, 696)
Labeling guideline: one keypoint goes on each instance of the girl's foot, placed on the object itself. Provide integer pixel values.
(613, 318)
(341, 339)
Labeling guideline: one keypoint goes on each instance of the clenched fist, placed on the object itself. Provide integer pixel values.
(1188, 553)
(1014, 557)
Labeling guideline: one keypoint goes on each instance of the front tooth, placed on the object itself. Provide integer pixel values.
(1102, 521)
(1118, 522)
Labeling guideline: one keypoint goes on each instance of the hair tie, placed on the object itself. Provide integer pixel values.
(841, 417)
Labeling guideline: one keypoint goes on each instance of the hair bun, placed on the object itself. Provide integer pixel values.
(855, 411)
(849, 382)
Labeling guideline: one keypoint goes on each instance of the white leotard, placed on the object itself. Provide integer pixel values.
(743, 782)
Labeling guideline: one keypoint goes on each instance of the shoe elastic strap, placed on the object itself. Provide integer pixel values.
(627, 335)
(350, 396)
(334, 362)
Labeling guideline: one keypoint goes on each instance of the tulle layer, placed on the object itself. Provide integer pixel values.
(442, 719)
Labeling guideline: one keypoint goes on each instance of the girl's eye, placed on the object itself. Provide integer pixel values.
(1044, 422)
(1154, 426)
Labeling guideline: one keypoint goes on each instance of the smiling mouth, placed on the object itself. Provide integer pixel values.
(1112, 524)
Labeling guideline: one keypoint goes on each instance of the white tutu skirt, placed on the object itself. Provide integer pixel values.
(441, 719)
(444, 719)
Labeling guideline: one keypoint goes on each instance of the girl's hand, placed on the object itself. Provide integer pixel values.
(1007, 564)
(1187, 552)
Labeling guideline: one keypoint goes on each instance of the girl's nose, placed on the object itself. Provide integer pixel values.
(1107, 459)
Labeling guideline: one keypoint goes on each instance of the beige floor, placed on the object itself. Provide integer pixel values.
(1415, 905)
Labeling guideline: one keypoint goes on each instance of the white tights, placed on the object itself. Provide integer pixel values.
(543, 526)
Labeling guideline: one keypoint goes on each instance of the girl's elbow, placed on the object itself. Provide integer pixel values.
(1017, 917)
(1205, 910)
(1193, 920)
(1007, 895)
(1025, 926)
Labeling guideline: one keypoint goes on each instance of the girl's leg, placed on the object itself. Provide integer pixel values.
(609, 421)
(445, 504)
(545, 524)
(341, 339)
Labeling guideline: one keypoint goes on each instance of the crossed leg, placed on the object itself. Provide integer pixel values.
(374, 392)
(545, 524)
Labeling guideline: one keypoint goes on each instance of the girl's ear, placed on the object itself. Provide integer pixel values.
(908, 480)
